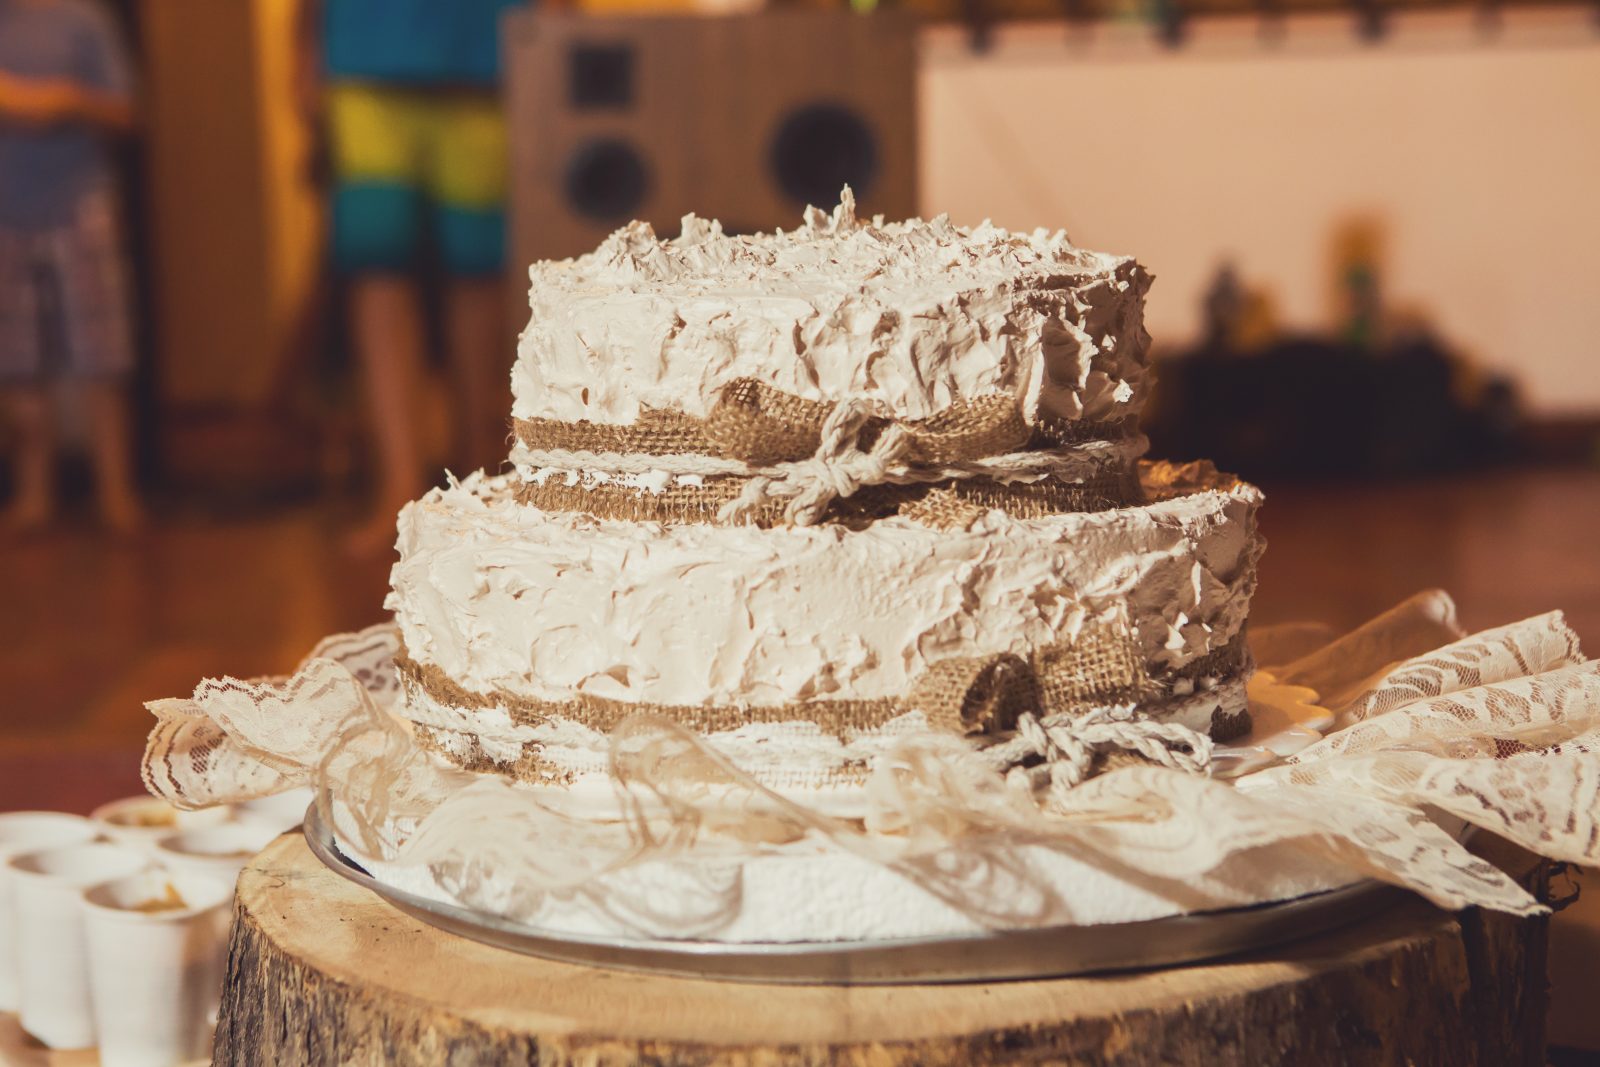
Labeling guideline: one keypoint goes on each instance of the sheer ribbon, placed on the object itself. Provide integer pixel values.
(1369, 751)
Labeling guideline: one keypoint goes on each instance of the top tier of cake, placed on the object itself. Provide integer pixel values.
(914, 316)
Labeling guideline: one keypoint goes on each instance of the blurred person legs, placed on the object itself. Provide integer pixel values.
(64, 313)
(111, 439)
(412, 165)
(33, 498)
(467, 176)
(386, 327)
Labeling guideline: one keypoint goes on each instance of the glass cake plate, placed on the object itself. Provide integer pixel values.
(1045, 952)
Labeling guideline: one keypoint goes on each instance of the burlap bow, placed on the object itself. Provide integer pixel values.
(1101, 666)
(1064, 713)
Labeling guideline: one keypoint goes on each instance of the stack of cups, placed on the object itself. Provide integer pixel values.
(100, 945)
(156, 1015)
(51, 945)
(23, 832)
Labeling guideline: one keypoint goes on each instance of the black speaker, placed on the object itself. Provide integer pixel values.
(743, 118)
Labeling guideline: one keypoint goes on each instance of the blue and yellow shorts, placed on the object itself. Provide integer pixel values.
(405, 159)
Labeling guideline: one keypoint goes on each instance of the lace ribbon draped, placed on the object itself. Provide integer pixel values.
(1414, 728)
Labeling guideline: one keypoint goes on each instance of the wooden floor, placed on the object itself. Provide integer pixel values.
(92, 627)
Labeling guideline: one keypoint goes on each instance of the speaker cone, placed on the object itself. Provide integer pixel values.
(819, 149)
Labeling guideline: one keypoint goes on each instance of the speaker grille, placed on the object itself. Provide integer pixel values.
(820, 148)
(606, 180)
(600, 76)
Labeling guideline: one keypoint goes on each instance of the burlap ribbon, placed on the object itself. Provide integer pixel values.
(762, 426)
(945, 505)
(986, 694)
(1102, 667)
(803, 458)
(1048, 719)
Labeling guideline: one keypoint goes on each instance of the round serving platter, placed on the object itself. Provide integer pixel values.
(1045, 952)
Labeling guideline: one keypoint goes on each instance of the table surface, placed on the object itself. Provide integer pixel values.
(313, 947)
(17, 1049)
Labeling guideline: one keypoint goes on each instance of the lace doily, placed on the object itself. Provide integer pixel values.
(1369, 750)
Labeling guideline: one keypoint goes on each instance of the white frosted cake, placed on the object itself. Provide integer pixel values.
(827, 597)
(811, 493)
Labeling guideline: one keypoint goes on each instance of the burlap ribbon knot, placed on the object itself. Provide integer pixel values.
(1063, 721)
(763, 426)
(842, 464)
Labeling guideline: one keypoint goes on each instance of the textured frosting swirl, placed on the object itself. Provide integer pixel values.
(914, 315)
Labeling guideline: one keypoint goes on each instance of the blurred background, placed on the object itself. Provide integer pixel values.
(262, 264)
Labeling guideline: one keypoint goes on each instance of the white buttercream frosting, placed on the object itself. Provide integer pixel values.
(813, 891)
(505, 597)
(914, 315)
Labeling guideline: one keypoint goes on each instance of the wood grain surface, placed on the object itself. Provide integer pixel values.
(323, 972)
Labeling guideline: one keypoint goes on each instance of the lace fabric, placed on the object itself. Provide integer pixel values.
(1370, 752)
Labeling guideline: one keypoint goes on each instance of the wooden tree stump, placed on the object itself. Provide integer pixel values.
(323, 972)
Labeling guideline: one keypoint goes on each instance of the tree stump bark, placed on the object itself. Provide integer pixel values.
(323, 972)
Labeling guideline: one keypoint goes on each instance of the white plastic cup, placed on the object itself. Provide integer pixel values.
(28, 831)
(282, 811)
(141, 821)
(52, 956)
(156, 972)
(221, 851)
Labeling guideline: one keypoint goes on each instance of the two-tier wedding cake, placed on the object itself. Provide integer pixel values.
(827, 598)
(810, 493)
